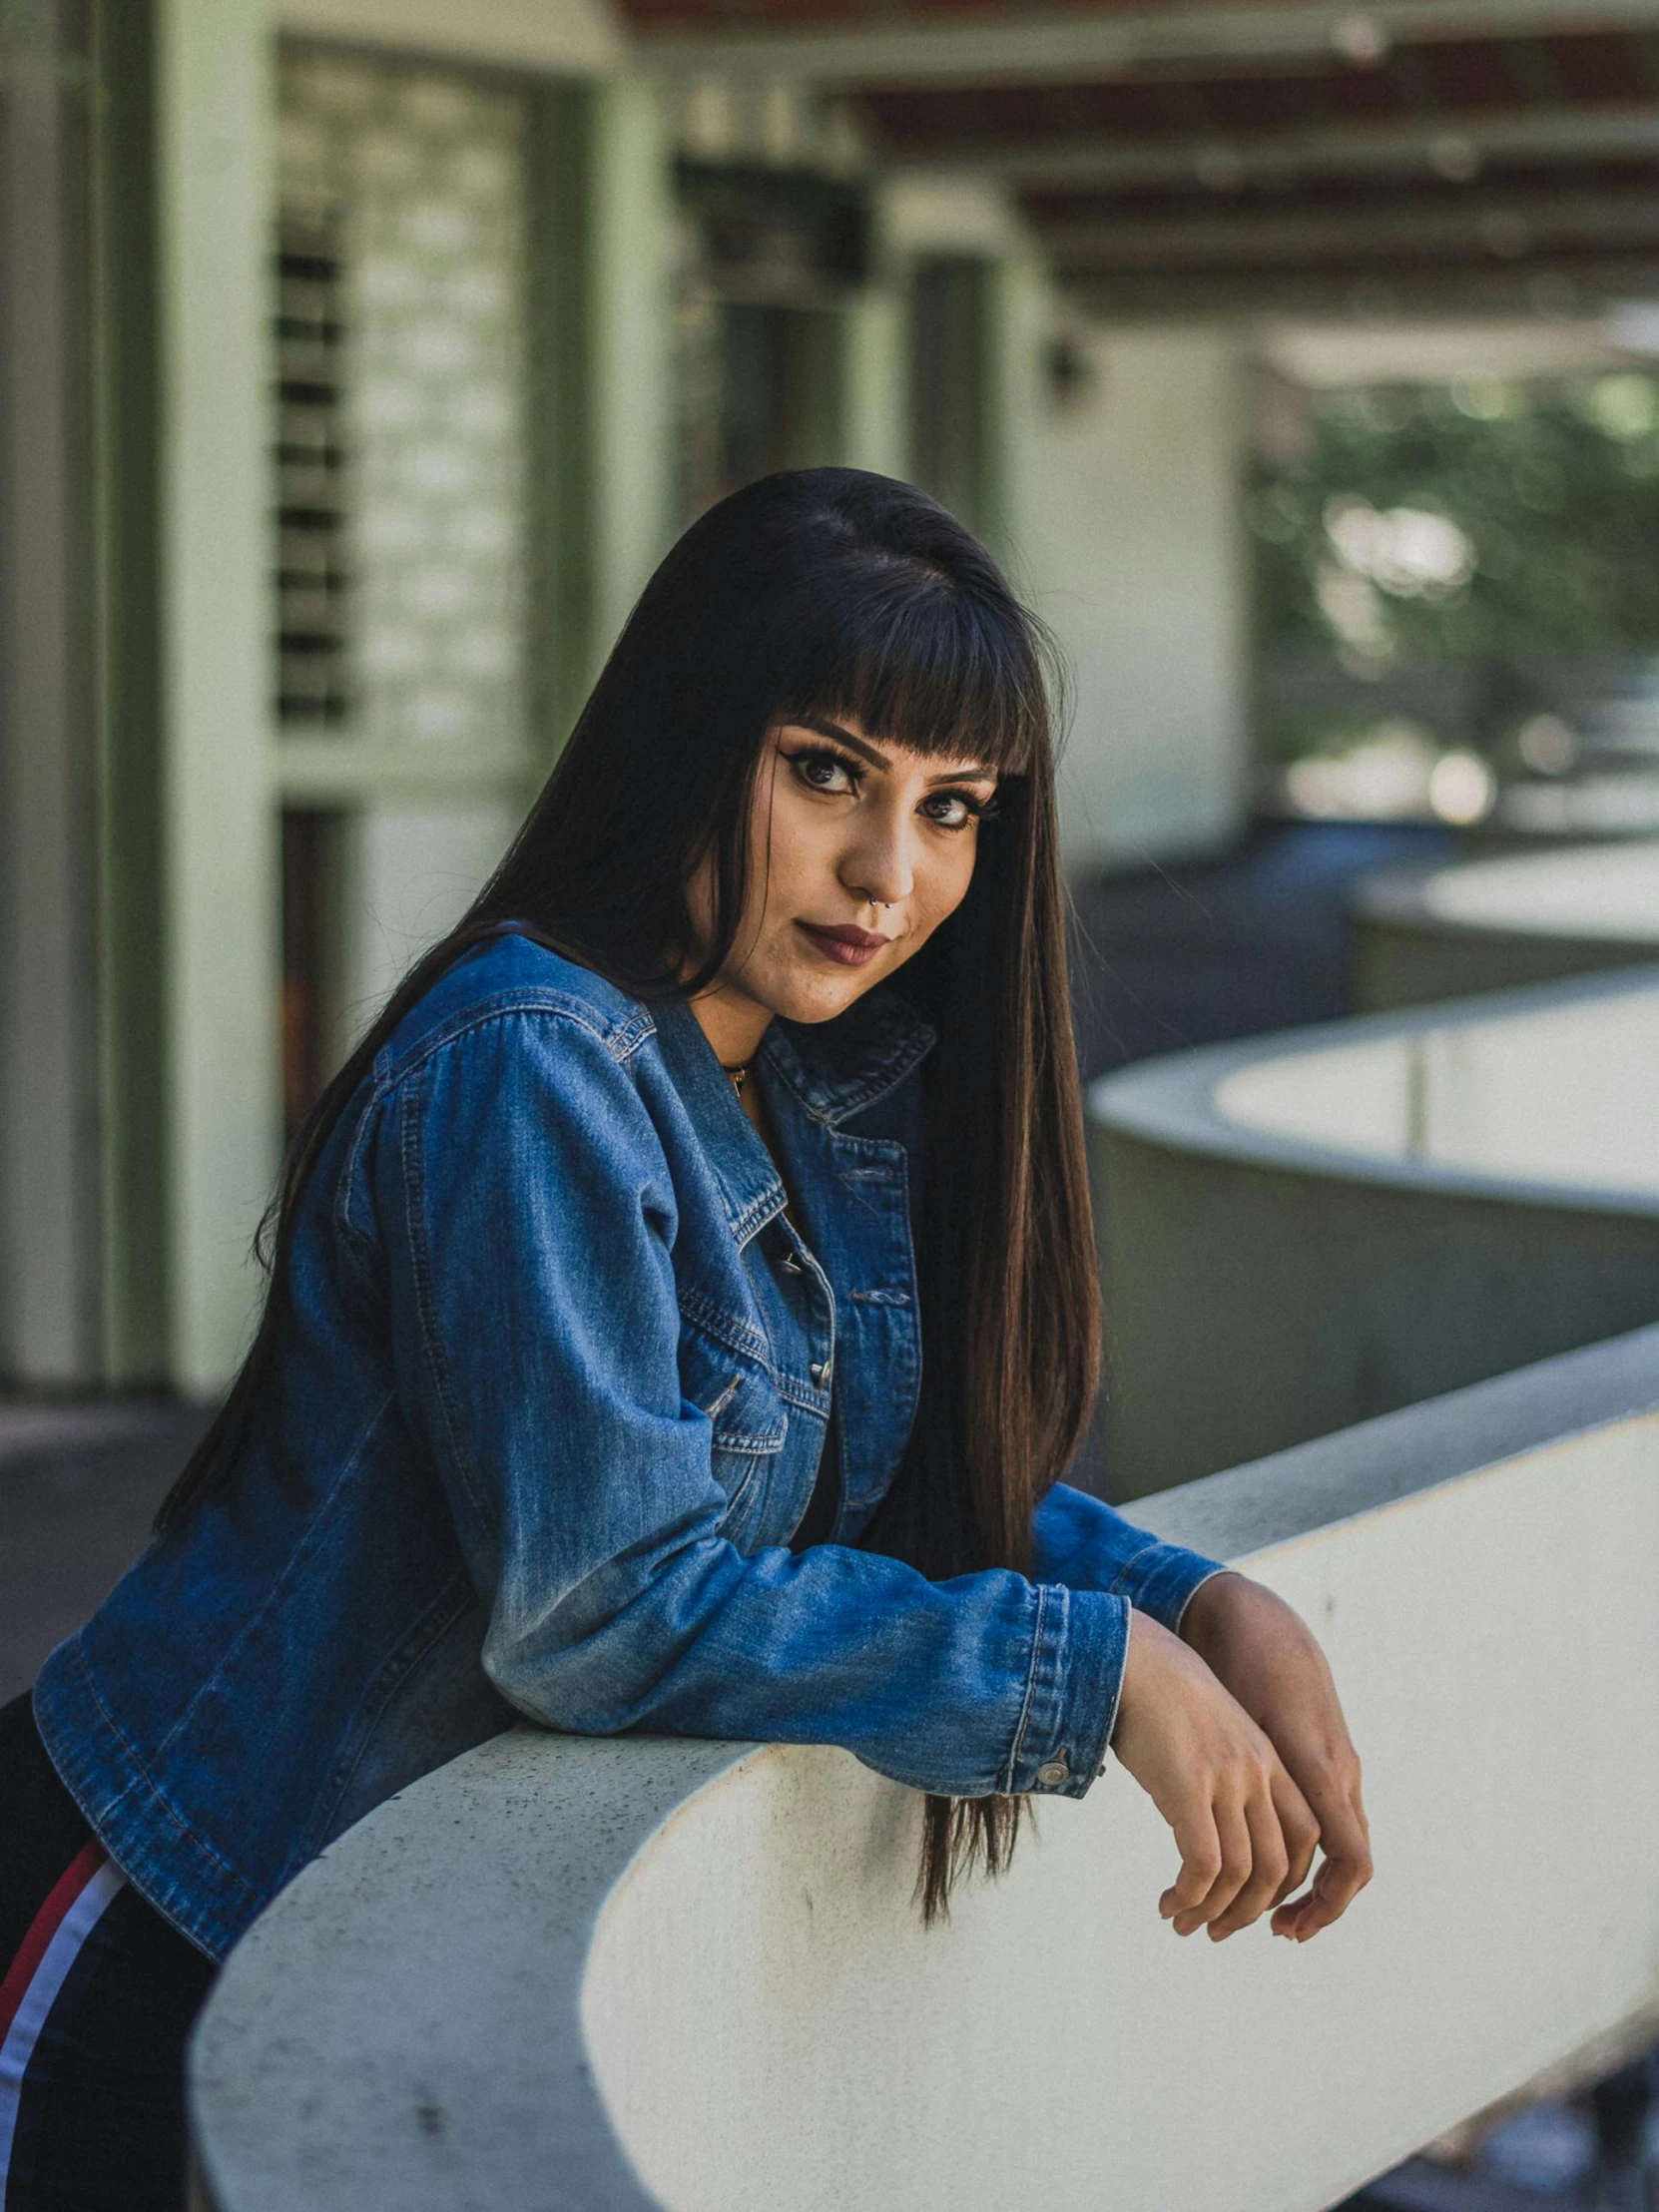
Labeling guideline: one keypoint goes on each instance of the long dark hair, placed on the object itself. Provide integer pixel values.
(830, 592)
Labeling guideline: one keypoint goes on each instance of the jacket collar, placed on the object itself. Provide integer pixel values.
(837, 1068)
(832, 1069)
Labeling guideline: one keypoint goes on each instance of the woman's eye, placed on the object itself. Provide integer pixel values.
(952, 809)
(823, 771)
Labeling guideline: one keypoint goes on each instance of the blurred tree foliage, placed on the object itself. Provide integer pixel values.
(1555, 490)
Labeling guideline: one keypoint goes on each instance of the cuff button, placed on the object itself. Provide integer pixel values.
(1053, 1772)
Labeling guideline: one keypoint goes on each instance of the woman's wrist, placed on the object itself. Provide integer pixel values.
(1206, 1608)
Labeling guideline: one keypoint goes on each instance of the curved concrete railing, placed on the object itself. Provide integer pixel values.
(1302, 1231)
(1485, 925)
(611, 1976)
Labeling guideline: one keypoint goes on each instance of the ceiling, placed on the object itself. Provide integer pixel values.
(1419, 156)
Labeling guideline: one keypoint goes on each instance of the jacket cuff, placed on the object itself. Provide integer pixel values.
(1071, 1699)
(1162, 1578)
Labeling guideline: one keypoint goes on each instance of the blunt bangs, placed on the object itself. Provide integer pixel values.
(901, 649)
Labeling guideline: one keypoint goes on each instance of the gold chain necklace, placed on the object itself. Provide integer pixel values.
(739, 1076)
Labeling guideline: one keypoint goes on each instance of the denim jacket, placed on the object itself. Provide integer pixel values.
(547, 1406)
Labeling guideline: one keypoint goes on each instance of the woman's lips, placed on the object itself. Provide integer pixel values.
(852, 947)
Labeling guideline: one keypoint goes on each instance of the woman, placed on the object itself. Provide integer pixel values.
(674, 1323)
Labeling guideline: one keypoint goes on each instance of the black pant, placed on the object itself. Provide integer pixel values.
(97, 1996)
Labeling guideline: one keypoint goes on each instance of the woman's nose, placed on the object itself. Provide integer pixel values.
(880, 869)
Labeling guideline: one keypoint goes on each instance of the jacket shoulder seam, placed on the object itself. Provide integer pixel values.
(620, 1039)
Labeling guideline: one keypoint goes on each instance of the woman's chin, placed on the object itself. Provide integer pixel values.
(819, 997)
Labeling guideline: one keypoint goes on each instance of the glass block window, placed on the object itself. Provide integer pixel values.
(311, 558)
(400, 268)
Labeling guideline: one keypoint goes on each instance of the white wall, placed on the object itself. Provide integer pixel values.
(1120, 520)
(764, 1975)
(1127, 519)
(1561, 1097)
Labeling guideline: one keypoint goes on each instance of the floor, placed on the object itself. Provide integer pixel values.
(78, 1487)
(1233, 947)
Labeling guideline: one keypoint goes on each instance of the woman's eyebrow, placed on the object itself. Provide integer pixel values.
(873, 754)
(878, 759)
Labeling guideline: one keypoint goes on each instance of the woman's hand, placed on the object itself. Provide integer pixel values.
(1244, 1830)
(1267, 1659)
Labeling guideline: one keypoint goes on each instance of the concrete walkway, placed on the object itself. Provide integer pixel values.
(78, 1487)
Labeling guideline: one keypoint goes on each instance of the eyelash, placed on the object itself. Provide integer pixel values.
(979, 810)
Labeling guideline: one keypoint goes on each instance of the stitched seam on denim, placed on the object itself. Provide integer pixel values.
(349, 1230)
(186, 1828)
(500, 1007)
(450, 1606)
(1117, 1699)
(739, 1336)
(742, 1440)
(414, 1191)
(1016, 1753)
(722, 1398)
(729, 1328)
(913, 1352)
(890, 1181)
(740, 1496)
(749, 1446)
(629, 1037)
(1120, 1588)
(284, 1581)
(809, 1402)
(758, 1213)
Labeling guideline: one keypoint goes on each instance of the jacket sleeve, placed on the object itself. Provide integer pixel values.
(529, 1220)
(1086, 1545)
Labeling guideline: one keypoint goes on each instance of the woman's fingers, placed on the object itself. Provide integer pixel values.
(1300, 1830)
(1232, 1832)
(1200, 1849)
(1347, 1869)
(1267, 1659)
(1246, 1824)
(1270, 1860)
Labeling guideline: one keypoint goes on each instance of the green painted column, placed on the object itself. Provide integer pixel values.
(48, 1127)
(630, 307)
(875, 382)
(1015, 313)
(218, 947)
(600, 304)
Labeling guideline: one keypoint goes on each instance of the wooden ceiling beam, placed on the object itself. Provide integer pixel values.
(1453, 145)
(1511, 229)
(1027, 48)
(1466, 290)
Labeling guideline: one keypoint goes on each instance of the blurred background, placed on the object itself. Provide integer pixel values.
(359, 358)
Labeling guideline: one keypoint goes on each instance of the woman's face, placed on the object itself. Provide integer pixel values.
(859, 850)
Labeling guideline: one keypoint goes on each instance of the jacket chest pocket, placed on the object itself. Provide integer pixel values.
(748, 1419)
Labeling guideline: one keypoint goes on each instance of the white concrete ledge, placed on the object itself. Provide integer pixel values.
(1303, 1232)
(600, 1975)
(1422, 935)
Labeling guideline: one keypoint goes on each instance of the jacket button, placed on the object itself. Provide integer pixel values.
(1053, 1772)
(820, 1372)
